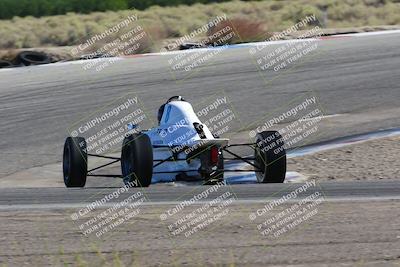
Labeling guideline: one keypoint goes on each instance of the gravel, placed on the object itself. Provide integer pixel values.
(371, 160)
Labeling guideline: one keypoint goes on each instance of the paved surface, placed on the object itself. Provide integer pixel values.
(357, 77)
(356, 224)
(162, 194)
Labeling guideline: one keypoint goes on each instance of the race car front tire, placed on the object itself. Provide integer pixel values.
(270, 157)
(75, 162)
(137, 160)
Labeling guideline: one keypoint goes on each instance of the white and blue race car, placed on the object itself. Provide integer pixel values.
(181, 147)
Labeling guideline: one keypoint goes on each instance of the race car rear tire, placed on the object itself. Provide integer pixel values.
(75, 162)
(270, 157)
(137, 160)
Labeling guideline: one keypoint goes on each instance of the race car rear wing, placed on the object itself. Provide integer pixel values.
(212, 142)
(201, 143)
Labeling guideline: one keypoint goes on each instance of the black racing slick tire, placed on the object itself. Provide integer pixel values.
(137, 160)
(270, 157)
(75, 162)
(5, 64)
(33, 58)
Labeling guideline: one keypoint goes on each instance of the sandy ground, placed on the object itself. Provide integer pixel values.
(63, 53)
(371, 160)
(342, 233)
(339, 234)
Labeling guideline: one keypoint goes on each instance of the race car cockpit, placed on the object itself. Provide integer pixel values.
(161, 109)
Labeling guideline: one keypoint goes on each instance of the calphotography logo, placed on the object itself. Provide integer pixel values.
(219, 33)
(109, 212)
(217, 113)
(282, 216)
(286, 53)
(105, 129)
(204, 209)
(102, 50)
(296, 125)
(197, 32)
(199, 133)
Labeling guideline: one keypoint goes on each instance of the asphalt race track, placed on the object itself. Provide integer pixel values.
(354, 76)
(356, 82)
(39, 198)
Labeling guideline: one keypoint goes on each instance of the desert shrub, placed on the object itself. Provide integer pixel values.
(253, 20)
(348, 13)
(241, 30)
(39, 8)
(297, 12)
(375, 3)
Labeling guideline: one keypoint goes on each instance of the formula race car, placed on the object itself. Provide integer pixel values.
(180, 148)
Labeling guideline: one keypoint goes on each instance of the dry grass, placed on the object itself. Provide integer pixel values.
(242, 30)
(252, 20)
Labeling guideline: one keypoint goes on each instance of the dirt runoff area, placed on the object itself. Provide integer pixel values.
(370, 160)
(340, 234)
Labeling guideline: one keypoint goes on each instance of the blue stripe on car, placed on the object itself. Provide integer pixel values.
(167, 115)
